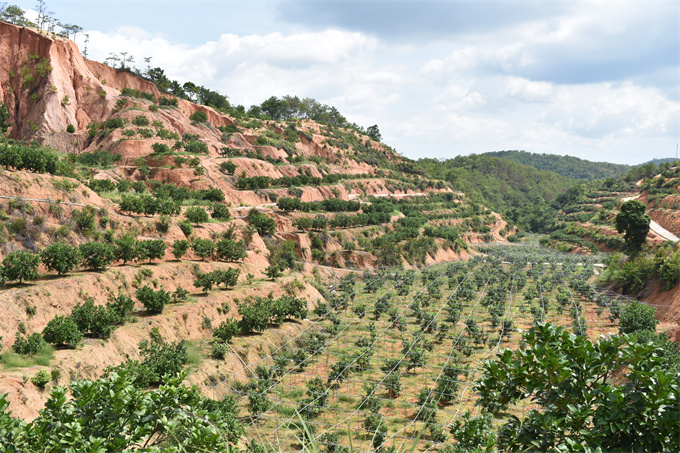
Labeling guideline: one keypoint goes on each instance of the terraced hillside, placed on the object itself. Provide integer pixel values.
(142, 198)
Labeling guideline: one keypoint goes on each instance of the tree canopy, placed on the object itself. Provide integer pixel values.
(633, 223)
(615, 394)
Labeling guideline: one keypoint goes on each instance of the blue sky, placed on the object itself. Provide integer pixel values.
(596, 80)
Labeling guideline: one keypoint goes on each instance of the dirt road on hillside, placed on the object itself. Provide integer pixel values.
(658, 229)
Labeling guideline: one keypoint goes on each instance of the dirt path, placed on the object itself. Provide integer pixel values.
(658, 229)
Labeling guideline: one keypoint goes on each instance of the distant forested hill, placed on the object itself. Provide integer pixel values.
(569, 166)
(521, 192)
(660, 161)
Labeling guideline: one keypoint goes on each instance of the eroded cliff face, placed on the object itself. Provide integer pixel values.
(48, 86)
(665, 211)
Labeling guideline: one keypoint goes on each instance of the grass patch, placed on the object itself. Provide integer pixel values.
(194, 354)
(13, 360)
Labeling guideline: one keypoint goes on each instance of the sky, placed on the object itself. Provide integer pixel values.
(595, 80)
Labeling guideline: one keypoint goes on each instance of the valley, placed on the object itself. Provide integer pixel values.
(206, 278)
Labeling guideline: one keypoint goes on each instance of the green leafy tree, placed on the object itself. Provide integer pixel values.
(203, 248)
(93, 320)
(226, 330)
(21, 266)
(29, 345)
(126, 248)
(633, 223)
(204, 281)
(199, 116)
(288, 204)
(220, 212)
(62, 331)
(577, 384)
(60, 257)
(186, 228)
(254, 314)
(636, 316)
(375, 424)
(162, 359)
(153, 249)
(264, 224)
(273, 271)
(474, 434)
(111, 414)
(4, 116)
(119, 308)
(96, 255)
(153, 301)
(374, 133)
(230, 250)
(289, 307)
(180, 247)
(228, 277)
(229, 167)
(196, 215)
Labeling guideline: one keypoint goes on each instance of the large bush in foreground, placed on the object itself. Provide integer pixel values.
(584, 400)
(110, 414)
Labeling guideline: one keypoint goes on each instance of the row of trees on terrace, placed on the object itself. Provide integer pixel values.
(62, 258)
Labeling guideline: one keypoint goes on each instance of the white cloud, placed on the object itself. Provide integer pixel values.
(527, 90)
(606, 109)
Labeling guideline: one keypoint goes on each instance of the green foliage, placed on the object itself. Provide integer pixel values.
(226, 330)
(518, 191)
(264, 224)
(206, 280)
(4, 116)
(151, 249)
(161, 148)
(62, 331)
(111, 414)
(203, 248)
(163, 359)
(20, 266)
(28, 345)
(196, 215)
(667, 267)
(96, 256)
(41, 379)
(84, 219)
(228, 167)
(633, 223)
(474, 434)
(629, 275)
(199, 116)
(218, 351)
(230, 250)
(569, 166)
(283, 255)
(572, 379)
(637, 316)
(273, 272)
(170, 102)
(31, 157)
(255, 314)
(95, 321)
(220, 212)
(119, 308)
(126, 248)
(153, 301)
(140, 120)
(99, 158)
(180, 247)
